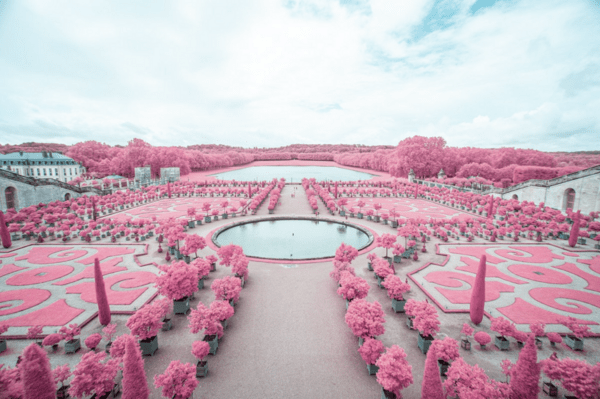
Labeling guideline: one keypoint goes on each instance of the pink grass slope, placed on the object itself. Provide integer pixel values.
(101, 298)
(135, 385)
(38, 382)
(478, 294)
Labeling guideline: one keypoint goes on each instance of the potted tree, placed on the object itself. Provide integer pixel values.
(538, 331)
(467, 331)
(227, 288)
(72, 344)
(446, 350)
(502, 327)
(426, 321)
(92, 341)
(482, 338)
(178, 381)
(395, 373)
(144, 324)
(203, 269)
(360, 205)
(386, 241)
(61, 374)
(213, 262)
(91, 376)
(397, 252)
(52, 340)
(200, 350)
(370, 352)
(575, 340)
(222, 312)
(365, 319)
(34, 332)
(203, 318)
(382, 269)
(178, 282)
(109, 331)
(165, 309)
(395, 289)
(554, 338)
(352, 287)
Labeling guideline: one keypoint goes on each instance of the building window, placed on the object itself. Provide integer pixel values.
(569, 199)
(71, 171)
(50, 171)
(44, 171)
(55, 171)
(11, 197)
(38, 170)
(515, 196)
(67, 196)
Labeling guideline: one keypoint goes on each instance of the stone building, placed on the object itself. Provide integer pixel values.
(45, 164)
(169, 174)
(17, 191)
(143, 175)
(578, 191)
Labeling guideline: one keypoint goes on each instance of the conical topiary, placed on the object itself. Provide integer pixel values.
(574, 235)
(4, 234)
(135, 384)
(525, 376)
(101, 298)
(36, 374)
(432, 382)
(478, 294)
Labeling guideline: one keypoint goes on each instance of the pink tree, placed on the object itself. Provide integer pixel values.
(203, 318)
(577, 376)
(478, 294)
(61, 374)
(221, 310)
(36, 374)
(346, 253)
(101, 298)
(135, 384)
(177, 280)
(145, 322)
(432, 382)
(11, 384)
(525, 376)
(502, 326)
(178, 381)
(227, 288)
(92, 341)
(466, 381)
(227, 252)
(426, 320)
(353, 287)
(4, 234)
(193, 243)
(395, 287)
(365, 319)
(482, 338)
(371, 350)
(386, 241)
(574, 235)
(93, 376)
(395, 373)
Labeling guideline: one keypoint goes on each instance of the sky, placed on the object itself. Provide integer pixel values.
(267, 73)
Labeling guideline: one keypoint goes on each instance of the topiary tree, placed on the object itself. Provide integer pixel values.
(346, 253)
(200, 349)
(577, 376)
(371, 350)
(177, 280)
(395, 373)
(482, 338)
(227, 288)
(145, 322)
(574, 234)
(92, 341)
(4, 233)
(365, 319)
(135, 384)
(203, 318)
(426, 320)
(502, 326)
(431, 387)
(476, 309)
(93, 376)
(101, 298)
(466, 381)
(395, 287)
(178, 381)
(525, 376)
(386, 241)
(221, 310)
(38, 382)
(353, 287)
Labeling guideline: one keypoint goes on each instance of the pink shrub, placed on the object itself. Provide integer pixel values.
(353, 287)
(200, 349)
(554, 337)
(145, 322)
(101, 298)
(70, 332)
(346, 253)
(467, 330)
(371, 350)
(118, 347)
(178, 381)
(92, 341)
(395, 373)
(482, 338)
(579, 330)
(577, 376)
(33, 332)
(382, 268)
(466, 381)
(38, 382)
(227, 252)
(109, 331)
(93, 376)
(502, 326)
(177, 280)
(395, 287)
(202, 267)
(61, 374)
(574, 235)
(365, 319)
(537, 329)
(222, 310)
(4, 233)
(203, 318)
(426, 320)
(477, 306)
(52, 339)
(446, 349)
(227, 288)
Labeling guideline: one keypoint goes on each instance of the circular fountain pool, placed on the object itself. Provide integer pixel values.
(292, 239)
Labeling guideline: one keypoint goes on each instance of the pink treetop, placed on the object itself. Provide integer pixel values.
(371, 350)
(178, 381)
(135, 383)
(386, 241)
(92, 376)
(482, 338)
(426, 320)
(203, 318)
(353, 287)
(52, 339)
(193, 243)
(365, 319)
(395, 373)
(227, 288)
(36, 374)
(446, 349)
(577, 376)
(227, 252)
(431, 387)
(395, 287)
(467, 330)
(61, 374)
(398, 249)
(93, 340)
(382, 268)
(70, 332)
(554, 337)
(33, 332)
(145, 322)
(470, 382)
(502, 326)
(163, 306)
(177, 280)
(346, 253)
(117, 349)
(240, 264)
(579, 330)
(202, 267)
(222, 310)
(191, 212)
(109, 331)
(526, 373)
(212, 259)
(200, 349)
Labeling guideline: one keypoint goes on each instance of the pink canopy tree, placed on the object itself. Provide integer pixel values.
(178, 381)
(395, 373)
(227, 288)
(365, 319)
(93, 376)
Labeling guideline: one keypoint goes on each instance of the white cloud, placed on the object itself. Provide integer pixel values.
(266, 73)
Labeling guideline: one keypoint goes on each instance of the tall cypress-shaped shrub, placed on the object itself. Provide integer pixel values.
(135, 384)
(525, 377)
(169, 189)
(490, 209)
(574, 230)
(478, 294)
(432, 382)
(101, 298)
(36, 374)
(4, 234)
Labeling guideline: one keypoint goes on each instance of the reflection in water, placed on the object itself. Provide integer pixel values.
(292, 239)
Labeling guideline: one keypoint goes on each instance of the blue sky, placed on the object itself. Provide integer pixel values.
(481, 73)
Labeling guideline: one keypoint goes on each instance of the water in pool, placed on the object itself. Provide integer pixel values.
(292, 239)
(293, 174)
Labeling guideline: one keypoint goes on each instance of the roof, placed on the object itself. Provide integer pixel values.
(34, 156)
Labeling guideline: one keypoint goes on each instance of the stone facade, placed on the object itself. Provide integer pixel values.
(42, 165)
(169, 174)
(579, 191)
(22, 191)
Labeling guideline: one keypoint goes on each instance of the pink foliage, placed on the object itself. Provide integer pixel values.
(577, 376)
(467, 330)
(346, 253)
(554, 337)
(193, 243)
(525, 376)
(426, 319)
(446, 349)
(118, 347)
(222, 310)
(537, 329)
(52, 339)
(145, 322)
(227, 252)
(227, 288)
(38, 382)
(70, 332)
(200, 349)
(466, 381)
(61, 374)
(178, 381)
(482, 338)
(135, 384)
(101, 298)
(93, 376)
(574, 235)
(202, 267)
(353, 287)
(477, 306)
(371, 350)
(93, 340)
(395, 287)
(502, 326)
(365, 319)
(33, 332)
(382, 268)
(579, 330)
(203, 318)
(109, 331)
(177, 280)
(431, 387)
(395, 373)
